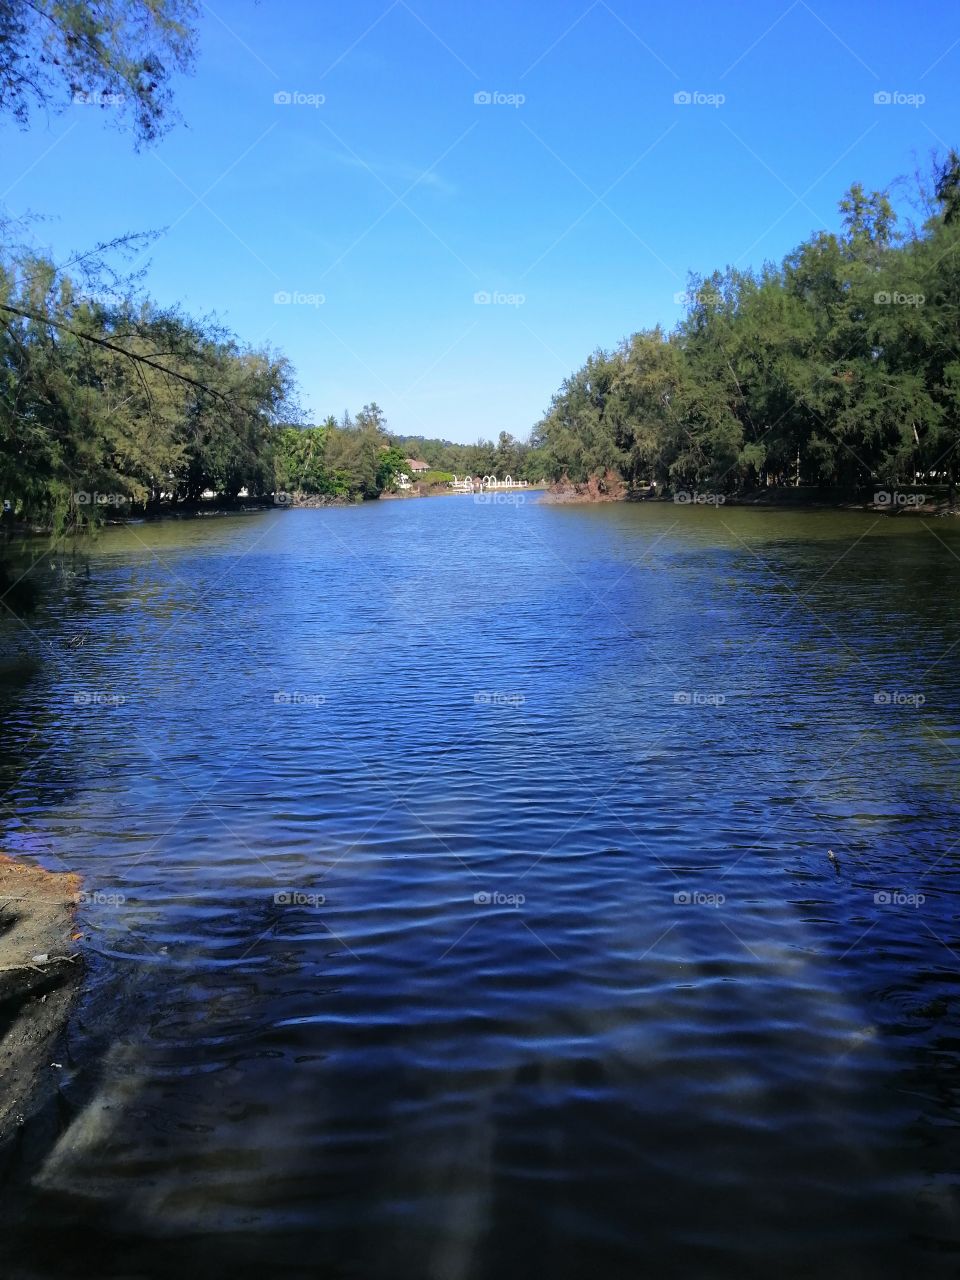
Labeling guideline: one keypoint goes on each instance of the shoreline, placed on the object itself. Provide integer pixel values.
(41, 972)
(561, 494)
(897, 503)
(464, 493)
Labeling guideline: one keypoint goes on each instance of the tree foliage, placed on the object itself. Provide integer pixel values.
(837, 368)
(126, 401)
(115, 54)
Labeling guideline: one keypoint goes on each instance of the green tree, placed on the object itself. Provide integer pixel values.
(119, 54)
(390, 464)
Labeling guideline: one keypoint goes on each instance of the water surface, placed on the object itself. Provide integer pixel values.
(459, 899)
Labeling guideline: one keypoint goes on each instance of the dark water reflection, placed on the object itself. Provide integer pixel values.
(584, 993)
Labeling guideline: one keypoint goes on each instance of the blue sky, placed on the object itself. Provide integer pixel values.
(578, 209)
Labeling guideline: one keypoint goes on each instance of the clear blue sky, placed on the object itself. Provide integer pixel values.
(400, 198)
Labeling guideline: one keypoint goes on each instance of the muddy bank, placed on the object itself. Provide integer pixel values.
(607, 488)
(40, 972)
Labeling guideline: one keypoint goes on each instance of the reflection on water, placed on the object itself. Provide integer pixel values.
(460, 902)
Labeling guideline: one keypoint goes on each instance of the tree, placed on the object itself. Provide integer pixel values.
(298, 460)
(836, 368)
(125, 400)
(390, 464)
(947, 186)
(118, 54)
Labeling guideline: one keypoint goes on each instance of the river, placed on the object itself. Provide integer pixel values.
(460, 901)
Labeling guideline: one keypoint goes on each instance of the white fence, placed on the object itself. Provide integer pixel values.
(475, 484)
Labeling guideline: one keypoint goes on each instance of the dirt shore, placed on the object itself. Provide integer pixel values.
(40, 972)
(608, 488)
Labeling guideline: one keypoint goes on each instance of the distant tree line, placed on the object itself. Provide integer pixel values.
(838, 368)
(508, 456)
(351, 458)
(111, 405)
(358, 457)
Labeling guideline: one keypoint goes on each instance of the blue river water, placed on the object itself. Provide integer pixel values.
(459, 899)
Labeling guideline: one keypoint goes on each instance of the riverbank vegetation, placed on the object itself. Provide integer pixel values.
(837, 369)
(112, 405)
(507, 457)
(109, 404)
